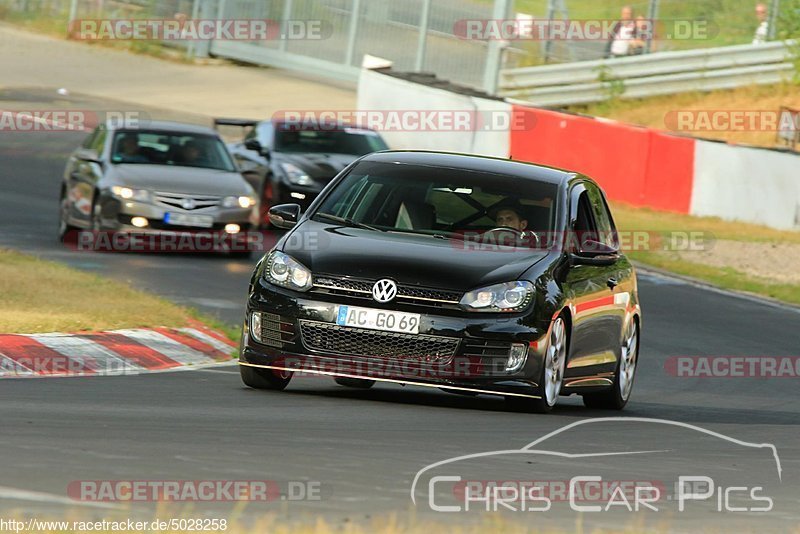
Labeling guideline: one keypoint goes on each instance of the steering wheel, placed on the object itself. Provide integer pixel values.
(505, 228)
(519, 234)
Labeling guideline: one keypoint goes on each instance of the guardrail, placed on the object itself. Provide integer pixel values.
(649, 75)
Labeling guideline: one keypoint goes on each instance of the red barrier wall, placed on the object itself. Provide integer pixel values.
(639, 166)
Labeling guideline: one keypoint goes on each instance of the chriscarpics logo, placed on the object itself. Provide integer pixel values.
(610, 465)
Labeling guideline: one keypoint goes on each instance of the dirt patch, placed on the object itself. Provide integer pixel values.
(771, 262)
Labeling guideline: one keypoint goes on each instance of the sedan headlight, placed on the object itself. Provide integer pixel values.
(127, 193)
(243, 202)
(296, 175)
(283, 270)
(506, 297)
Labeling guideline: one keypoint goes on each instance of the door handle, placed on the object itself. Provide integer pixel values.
(612, 283)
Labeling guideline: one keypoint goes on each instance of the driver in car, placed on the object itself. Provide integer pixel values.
(508, 214)
(193, 154)
(128, 150)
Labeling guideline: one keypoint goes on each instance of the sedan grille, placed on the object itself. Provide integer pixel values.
(187, 202)
(344, 341)
(360, 288)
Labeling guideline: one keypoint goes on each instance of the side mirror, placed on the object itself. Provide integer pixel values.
(87, 154)
(254, 145)
(594, 253)
(284, 215)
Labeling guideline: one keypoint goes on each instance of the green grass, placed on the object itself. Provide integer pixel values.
(629, 218)
(56, 25)
(726, 278)
(39, 296)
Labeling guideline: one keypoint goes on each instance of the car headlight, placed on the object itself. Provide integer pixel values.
(127, 193)
(505, 297)
(296, 175)
(283, 270)
(243, 202)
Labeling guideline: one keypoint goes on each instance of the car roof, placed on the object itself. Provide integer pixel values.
(474, 162)
(166, 126)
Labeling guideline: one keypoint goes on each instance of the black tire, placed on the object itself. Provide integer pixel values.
(97, 215)
(358, 383)
(613, 398)
(257, 378)
(64, 229)
(528, 405)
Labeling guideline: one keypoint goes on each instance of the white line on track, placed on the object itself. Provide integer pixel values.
(18, 494)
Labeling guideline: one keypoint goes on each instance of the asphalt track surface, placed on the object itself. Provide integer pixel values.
(363, 449)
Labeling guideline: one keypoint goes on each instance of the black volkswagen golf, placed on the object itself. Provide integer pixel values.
(475, 275)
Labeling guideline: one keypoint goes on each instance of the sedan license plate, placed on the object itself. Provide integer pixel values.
(386, 320)
(183, 219)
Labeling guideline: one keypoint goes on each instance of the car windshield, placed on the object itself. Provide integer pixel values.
(354, 141)
(440, 202)
(165, 148)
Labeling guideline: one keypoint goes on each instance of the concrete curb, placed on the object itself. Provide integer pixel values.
(112, 353)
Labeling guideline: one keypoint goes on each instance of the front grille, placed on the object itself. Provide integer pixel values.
(187, 202)
(360, 288)
(345, 341)
(276, 331)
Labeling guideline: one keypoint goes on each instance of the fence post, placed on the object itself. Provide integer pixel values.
(772, 25)
(190, 48)
(286, 16)
(652, 15)
(548, 44)
(353, 32)
(73, 14)
(494, 50)
(422, 41)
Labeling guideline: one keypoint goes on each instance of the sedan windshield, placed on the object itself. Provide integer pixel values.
(165, 148)
(440, 202)
(354, 141)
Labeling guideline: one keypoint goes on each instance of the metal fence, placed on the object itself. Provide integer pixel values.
(416, 35)
(730, 22)
(420, 35)
(650, 75)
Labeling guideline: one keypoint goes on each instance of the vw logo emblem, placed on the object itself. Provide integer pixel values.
(384, 290)
(188, 203)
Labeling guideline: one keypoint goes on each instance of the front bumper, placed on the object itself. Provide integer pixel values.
(452, 350)
(117, 215)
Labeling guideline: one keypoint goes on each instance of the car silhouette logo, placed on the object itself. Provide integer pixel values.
(188, 203)
(384, 290)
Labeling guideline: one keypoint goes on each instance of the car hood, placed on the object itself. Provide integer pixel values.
(406, 258)
(173, 179)
(319, 166)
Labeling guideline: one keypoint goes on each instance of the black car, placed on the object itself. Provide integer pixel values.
(288, 162)
(401, 272)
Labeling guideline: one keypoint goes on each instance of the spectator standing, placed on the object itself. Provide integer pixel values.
(762, 32)
(623, 35)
